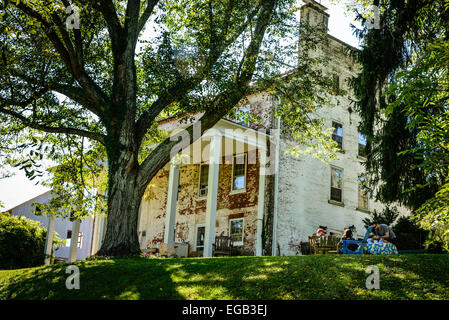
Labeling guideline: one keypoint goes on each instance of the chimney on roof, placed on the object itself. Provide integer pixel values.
(314, 14)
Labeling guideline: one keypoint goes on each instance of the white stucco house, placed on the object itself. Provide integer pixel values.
(64, 228)
(238, 180)
(228, 190)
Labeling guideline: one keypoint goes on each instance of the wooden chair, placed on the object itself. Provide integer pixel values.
(328, 244)
(222, 247)
(313, 244)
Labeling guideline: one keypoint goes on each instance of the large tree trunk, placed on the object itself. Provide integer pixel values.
(124, 198)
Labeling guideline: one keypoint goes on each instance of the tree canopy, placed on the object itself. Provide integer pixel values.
(108, 71)
(402, 95)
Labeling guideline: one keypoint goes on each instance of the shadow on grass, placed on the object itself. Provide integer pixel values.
(106, 279)
(298, 277)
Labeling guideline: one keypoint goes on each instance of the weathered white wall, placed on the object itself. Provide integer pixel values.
(61, 226)
(304, 182)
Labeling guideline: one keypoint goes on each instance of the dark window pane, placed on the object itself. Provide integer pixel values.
(339, 140)
(337, 135)
(362, 150)
(336, 178)
(37, 211)
(204, 179)
(362, 145)
(238, 182)
(336, 194)
(336, 84)
(200, 236)
(242, 115)
(236, 231)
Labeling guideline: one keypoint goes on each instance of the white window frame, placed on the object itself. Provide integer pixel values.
(358, 195)
(232, 175)
(342, 184)
(237, 243)
(342, 134)
(196, 235)
(80, 240)
(68, 241)
(336, 76)
(358, 154)
(200, 196)
(247, 108)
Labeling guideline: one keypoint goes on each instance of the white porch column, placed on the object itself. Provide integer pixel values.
(101, 232)
(274, 242)
(172, 201)
(212, 193)
(49, 239)
(260, 201)
(74, 240)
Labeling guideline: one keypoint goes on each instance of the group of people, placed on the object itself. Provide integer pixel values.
(378, 231)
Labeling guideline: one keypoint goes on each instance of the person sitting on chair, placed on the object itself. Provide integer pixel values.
(321, 231)
(347, 235)
(382, 231)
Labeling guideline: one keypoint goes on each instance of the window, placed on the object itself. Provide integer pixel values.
(362, 145)
(336, 184)
(68, 238)
(236, 231)
(241, 115)
(200, 233)
(80, 240)
(37, 211)
(337, 135)
(335, 84)
(363, 193)
(204, 180)
(239, 172)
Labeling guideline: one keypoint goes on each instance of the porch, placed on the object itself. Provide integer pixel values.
(214, 187)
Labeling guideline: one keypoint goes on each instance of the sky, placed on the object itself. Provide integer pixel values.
(18, 189)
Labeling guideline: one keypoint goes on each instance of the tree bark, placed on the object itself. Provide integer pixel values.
(121, 238)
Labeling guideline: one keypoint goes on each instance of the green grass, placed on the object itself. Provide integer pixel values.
(419, 276)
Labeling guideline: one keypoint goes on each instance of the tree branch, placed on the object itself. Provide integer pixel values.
(222, 105)
(116, 30)
(146, 14)
(68, 56)
(178, 90)
(74, 93)
(29, 123)
(132, 22)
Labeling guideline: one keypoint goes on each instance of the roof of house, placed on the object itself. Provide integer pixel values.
(31, 199)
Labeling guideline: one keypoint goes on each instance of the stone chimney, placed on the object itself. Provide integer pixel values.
(314, 14)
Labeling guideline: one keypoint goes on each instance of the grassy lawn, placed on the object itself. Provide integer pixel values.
(420, 276)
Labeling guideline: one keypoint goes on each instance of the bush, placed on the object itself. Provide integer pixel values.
(386, 216)
(22, 242)
(409, 235)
